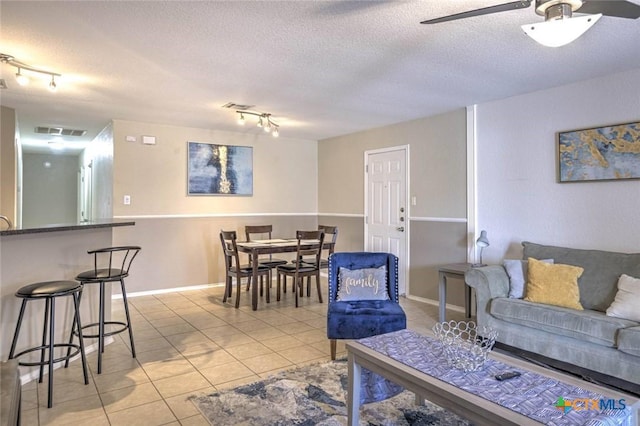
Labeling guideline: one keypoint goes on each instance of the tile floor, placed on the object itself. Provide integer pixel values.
(190, 342)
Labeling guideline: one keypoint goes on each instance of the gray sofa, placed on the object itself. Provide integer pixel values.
(589, 343)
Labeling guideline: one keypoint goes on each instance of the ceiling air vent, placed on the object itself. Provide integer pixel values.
(238, 107)
(59, 131)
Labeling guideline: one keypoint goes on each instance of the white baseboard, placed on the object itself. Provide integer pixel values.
(436, 303)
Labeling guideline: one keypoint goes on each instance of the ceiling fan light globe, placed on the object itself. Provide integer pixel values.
(560, 32)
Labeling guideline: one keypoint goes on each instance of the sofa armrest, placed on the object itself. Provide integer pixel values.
(489, 282)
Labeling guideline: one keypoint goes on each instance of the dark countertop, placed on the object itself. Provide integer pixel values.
(107, 223)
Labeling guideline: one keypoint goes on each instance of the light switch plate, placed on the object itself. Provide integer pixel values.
(149, 140)
(131, 138)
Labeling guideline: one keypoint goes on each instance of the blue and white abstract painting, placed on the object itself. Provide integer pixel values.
(219, 169)
(603, 153)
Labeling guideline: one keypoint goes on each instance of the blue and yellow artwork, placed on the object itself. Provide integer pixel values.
(602, 153)
(219, 169)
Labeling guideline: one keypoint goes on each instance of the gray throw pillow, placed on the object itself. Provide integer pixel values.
(517, 270)
(362, 284)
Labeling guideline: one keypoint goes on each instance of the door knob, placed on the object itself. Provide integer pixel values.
(401, 229)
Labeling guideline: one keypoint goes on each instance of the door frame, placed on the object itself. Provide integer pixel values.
(407, 227)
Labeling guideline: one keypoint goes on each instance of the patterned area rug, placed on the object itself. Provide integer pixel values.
(313, 395)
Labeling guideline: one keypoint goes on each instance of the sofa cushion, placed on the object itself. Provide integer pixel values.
(518, 272)
(587, 325)
(627, 301)
(553, 284)
(629, 340)
(601, 270)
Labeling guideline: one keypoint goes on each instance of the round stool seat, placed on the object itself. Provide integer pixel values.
(104, 274)
(48, 289)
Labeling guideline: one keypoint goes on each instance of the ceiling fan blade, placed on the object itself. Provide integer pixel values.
(619, 9)
(522, 4)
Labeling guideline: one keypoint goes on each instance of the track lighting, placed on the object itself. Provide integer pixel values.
(264, 122)
(22, 79)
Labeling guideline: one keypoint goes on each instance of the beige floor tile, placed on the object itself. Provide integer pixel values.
(203, 319)
(283, 342)
(133, 396)
(106, 382)
(169, 330)
(232, 340)
(262, 363)
(149, 414)
(302, 354)
(219, 331)
(162, 370)
(181, 384)
(152, 345)
(226, 372)
(29, 417)
(72, 412)
(197, 420)
(170, 320)
(64, 391)
(312, 336)
(154, 316)
(265, 333)
(158, 355)
(140, 335)
(248, 350)
(202, 348)
(210, 359)
(111, 364)
(295, 328)
(182, 407)
(29, 399)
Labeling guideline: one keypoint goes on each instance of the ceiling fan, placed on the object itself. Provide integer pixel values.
(558, 28)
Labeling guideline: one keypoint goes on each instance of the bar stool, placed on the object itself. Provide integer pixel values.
(49, 291)
(110, 264)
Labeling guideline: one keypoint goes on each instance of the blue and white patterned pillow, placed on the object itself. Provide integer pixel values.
(362, 284)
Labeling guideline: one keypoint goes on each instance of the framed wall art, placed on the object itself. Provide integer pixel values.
(600, 153)
(219, 169)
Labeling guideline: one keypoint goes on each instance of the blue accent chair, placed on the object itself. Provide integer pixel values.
(363, 318)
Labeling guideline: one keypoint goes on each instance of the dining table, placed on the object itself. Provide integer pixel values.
(255, 248)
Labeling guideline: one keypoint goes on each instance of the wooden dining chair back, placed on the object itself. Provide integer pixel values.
(258, 232)
(309, 247)
(331, 231)
(233, 267)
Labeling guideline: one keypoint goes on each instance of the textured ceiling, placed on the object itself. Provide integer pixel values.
(321, 68)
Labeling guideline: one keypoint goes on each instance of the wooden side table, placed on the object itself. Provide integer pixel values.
(453, 270)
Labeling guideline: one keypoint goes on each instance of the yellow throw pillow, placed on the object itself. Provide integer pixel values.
(554, 284)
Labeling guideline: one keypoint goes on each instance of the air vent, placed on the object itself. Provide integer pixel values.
(238, 107)
(3, 84)
(59, 131)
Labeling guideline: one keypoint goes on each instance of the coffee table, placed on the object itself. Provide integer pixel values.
(416, 362)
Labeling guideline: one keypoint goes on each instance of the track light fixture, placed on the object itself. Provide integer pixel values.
(22, 79)
(264, 121)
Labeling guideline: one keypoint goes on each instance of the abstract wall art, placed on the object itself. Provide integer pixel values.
(600, 153)
(219, 169)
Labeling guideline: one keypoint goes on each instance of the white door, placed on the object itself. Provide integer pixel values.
(386, 224)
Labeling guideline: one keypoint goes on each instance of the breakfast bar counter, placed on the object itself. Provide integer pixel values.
(46, 253)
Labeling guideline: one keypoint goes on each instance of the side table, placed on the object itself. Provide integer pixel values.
(453, 270)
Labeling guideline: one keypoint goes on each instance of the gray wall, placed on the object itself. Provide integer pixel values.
(519, 197)
(437, 180)
(178, 233)
(50, 194)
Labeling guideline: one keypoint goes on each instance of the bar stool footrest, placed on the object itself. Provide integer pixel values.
(46, 347)
(124, 326)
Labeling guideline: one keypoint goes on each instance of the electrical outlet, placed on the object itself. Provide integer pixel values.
(127, 200)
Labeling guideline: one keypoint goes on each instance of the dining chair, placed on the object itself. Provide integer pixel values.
(328, 231)
(233, 267)
(309, 244)
(257, 232)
